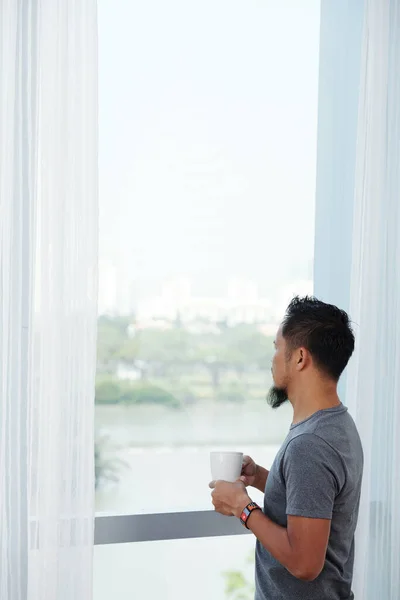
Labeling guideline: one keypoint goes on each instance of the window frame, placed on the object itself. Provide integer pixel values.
(123, 529)
(338, 96)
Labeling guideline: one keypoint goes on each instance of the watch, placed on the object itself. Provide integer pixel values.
(246, 512)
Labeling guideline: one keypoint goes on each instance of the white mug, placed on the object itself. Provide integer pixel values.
(226, 466)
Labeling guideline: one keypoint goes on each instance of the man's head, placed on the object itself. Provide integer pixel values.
(314, 340)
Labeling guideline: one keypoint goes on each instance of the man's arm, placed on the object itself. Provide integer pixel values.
(260, 479)
(300, 548)
(314, 475)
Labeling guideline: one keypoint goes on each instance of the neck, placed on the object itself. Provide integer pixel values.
(312, 396)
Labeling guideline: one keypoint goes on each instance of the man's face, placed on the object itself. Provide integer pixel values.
(280, 372)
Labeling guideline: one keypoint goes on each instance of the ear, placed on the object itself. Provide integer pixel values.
(303, 359)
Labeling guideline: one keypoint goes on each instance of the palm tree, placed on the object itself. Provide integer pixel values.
(106, 467)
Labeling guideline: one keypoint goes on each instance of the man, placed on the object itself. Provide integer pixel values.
(305, 534)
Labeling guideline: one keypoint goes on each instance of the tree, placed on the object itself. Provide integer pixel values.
(248, 347)
(241, 349)
(237, 586)
(157, 351)
(110, 390)
(112, 334)
(164, 355)
(106, 466)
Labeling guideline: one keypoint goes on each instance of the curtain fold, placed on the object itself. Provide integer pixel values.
(357, 254)
(373, 381)
(48, 296)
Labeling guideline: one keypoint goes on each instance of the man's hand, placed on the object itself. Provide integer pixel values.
(249, 471)
(253, 474)
(229, 499)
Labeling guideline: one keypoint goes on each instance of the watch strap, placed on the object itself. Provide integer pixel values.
(246, 512)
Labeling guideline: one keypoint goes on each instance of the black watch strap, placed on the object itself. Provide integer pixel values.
(246, 512)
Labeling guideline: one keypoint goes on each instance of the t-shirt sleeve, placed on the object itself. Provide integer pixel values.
(314, 475)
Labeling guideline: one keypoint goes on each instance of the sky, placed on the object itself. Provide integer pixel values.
(208, 130)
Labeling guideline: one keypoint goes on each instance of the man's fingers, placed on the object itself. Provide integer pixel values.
(222, 509)
(241, 481)
(247, 462)
(212, 484)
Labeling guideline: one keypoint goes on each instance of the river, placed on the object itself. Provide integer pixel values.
(164, 466)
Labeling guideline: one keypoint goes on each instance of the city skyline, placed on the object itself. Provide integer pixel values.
(178, 296)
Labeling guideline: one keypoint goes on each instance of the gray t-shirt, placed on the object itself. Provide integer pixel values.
(317, 473)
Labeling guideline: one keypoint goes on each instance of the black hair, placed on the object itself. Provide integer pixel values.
(323, 329)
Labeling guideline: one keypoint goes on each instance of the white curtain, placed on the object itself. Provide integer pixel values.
(48, 296)
(357, 255)
(373, 382)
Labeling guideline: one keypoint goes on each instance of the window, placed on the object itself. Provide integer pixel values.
(208, 117)
(215, 569)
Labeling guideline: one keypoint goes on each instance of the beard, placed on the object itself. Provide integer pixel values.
(277, 396)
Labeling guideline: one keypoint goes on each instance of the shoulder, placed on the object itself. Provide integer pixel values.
(311, 443)
(312, 453)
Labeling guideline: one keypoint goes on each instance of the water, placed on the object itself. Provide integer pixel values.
(165, 467)
(205, 423)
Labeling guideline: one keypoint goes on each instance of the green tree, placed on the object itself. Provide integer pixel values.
(237, 586)
(110, 390)
(164, 356)
(248, 348)
(155, 352)
(147, 393)
(107, 466)
(112, 334)
(242, 348)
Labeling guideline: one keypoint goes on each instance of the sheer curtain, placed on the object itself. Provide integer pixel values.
(373, 382)
(359, 245)
(48, 296)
